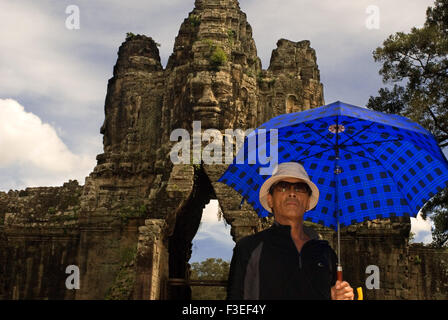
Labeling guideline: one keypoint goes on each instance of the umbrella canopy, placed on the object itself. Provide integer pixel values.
(367, 164)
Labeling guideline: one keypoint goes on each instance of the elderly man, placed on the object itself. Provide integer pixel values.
(286, 261)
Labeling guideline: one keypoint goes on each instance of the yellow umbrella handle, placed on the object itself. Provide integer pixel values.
(359, 291)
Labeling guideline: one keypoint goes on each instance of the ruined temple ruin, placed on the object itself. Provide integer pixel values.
(129, 228)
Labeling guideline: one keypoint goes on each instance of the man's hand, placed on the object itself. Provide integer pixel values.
(342, 291)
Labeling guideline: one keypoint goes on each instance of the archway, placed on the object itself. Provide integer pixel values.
(165, 243)
(180, 243)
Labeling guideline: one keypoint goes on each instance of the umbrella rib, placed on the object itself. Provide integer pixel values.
(397, 137)
(329, 149)
(359, 144)
(312, 145)
(358, 133)
(373, 142)
(322, 137)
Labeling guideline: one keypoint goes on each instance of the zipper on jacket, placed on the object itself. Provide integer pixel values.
(300, 254)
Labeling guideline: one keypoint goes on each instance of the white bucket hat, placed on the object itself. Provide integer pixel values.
(288, 170)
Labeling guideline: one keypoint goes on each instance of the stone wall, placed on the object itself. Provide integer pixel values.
(39, 238)
(427, 273)
(381, 243)
(406, 271)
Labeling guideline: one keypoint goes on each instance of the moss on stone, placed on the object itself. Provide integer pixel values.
(123, 286)
(195, 20)
(137, 211)
(218, 57)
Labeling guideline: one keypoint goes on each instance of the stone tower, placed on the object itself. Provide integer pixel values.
(213, 76)
(130, 227)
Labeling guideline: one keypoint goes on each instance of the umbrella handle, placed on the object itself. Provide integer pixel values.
(360, 295)
(339, 272)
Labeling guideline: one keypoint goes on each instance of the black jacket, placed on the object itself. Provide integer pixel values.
(267, 266)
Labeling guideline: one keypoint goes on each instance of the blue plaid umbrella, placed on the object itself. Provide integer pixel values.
(366, 164)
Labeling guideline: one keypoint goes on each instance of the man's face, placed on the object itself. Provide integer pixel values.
(288, 203)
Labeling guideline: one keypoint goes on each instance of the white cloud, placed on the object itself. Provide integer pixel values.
(33, 151)
(42, 60)
(421, 229)
(211, 228)
(46, 59)
(213, 239)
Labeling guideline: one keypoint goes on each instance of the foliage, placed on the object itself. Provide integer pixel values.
(210, 43)
(218, 57)
(194, 20)
(138, 211)
(249, 73)
(128, 254)
(417, 260)
(210, 269)
(129, 35)
(23, 193)
(440, 219)
(122, 289)
(64, 217)
(231, 36)
(416, 63)
(260, 78)
(220, 216)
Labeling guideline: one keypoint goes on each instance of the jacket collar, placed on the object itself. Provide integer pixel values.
(310, 232)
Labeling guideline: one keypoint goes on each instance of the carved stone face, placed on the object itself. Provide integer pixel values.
(211, 95)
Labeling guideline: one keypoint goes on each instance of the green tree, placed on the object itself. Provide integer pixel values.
(411, 236)
(210, 269)
(416, 63)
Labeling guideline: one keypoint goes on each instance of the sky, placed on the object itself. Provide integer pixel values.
(54, 70)
(213, 239)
